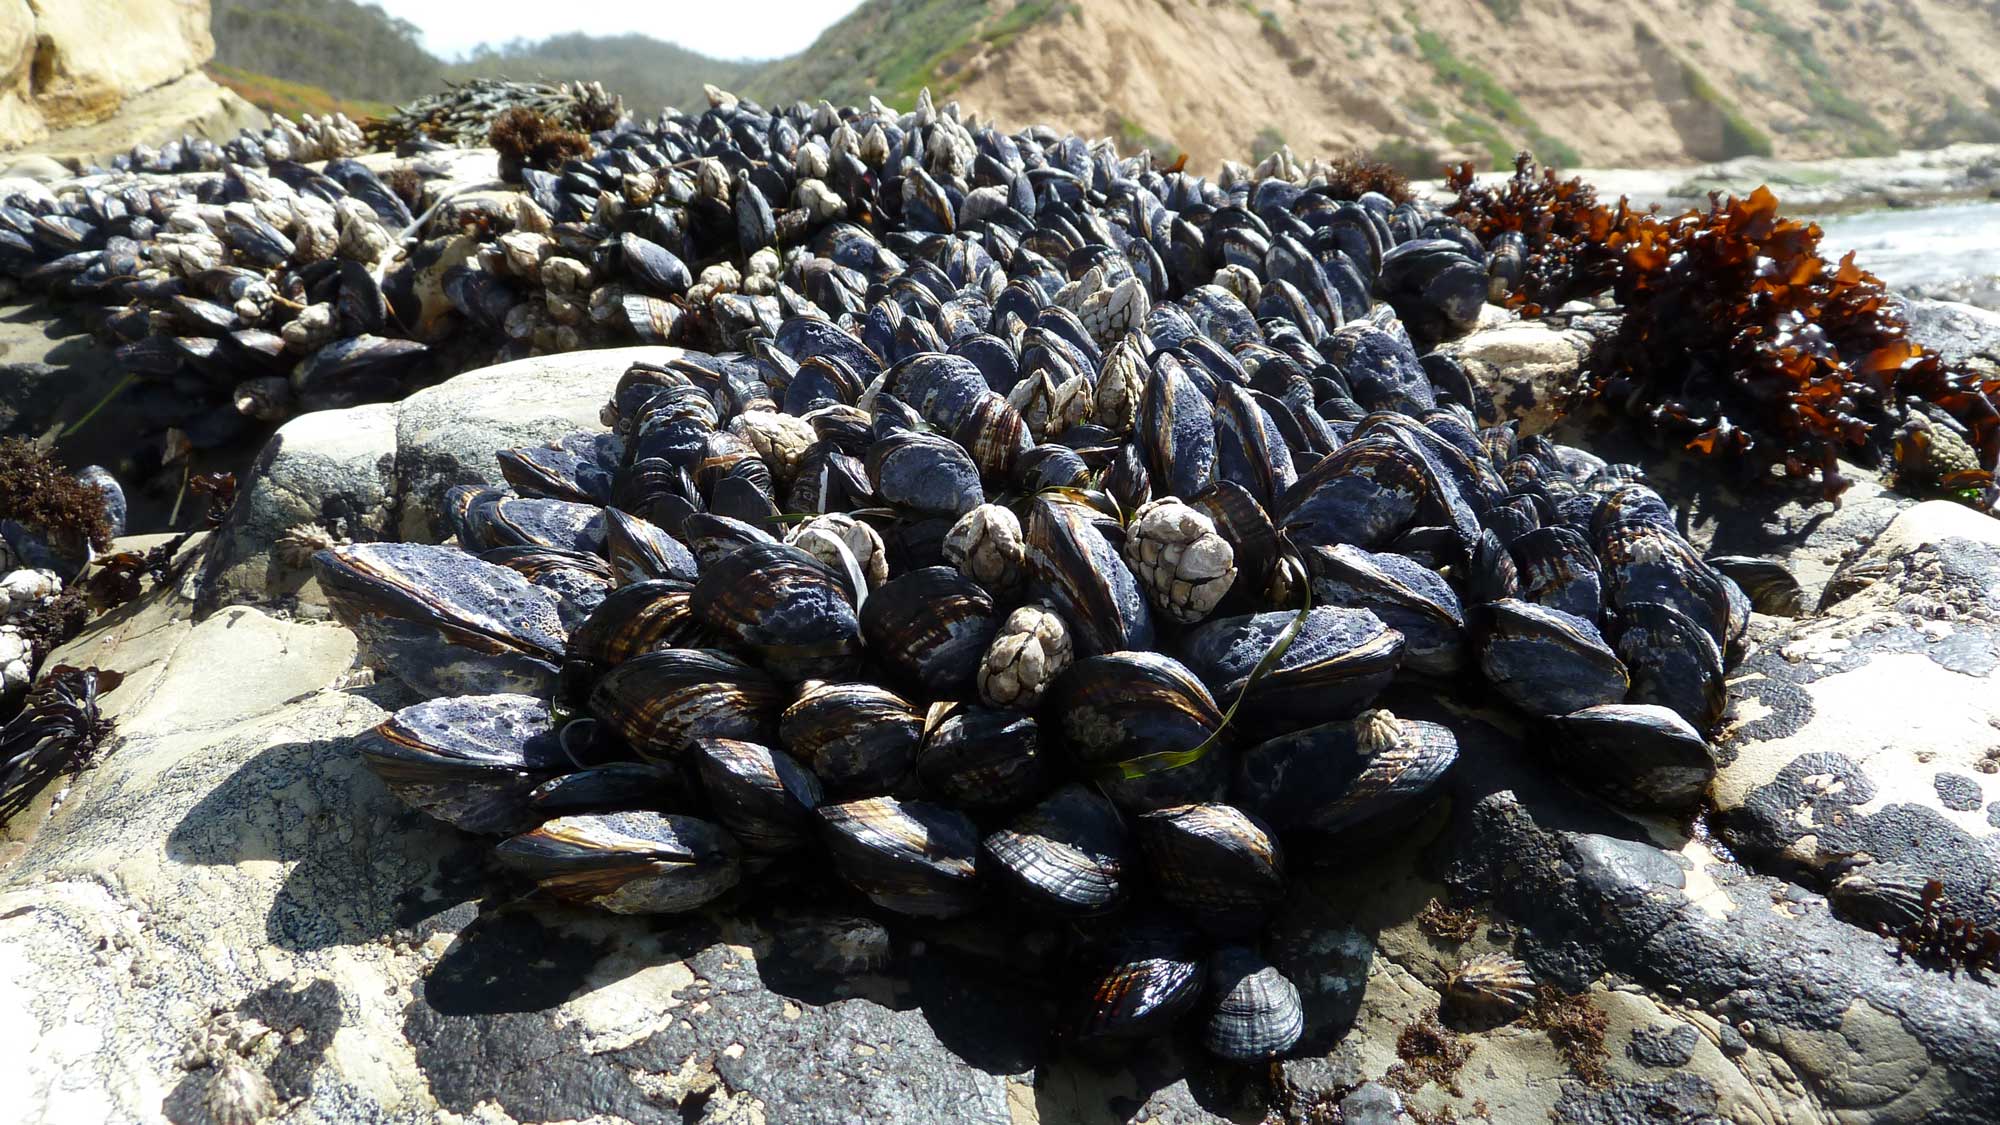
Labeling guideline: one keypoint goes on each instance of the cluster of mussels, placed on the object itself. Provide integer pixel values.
(267, 287)
(1052, 549)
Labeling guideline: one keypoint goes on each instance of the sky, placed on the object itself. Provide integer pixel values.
(730, 29)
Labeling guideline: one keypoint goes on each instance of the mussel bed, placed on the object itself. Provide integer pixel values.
(1038, 565)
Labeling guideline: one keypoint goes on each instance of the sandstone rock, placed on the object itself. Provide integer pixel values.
(1872, 733)
(1523, 369)
(72, 63)
(192, 103)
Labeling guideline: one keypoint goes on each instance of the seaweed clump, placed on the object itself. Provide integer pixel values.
(41, 494)
(528, 138)
(1944, 940)
(57, 733)
(1430, 1053)
(1739, 339)
(1356, 174)
(1576, 1027)
(1445, 924)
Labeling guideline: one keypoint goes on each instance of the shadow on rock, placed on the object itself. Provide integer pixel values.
(302, 1023)
(363, 864)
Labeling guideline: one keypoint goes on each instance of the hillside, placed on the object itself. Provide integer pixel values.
(1672, 82)
(1675, 82)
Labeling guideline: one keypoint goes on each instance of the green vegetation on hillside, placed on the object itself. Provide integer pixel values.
(888, 48)
(347, 49)
(1739, 137)
(648, 73)
(1499, 104)
(1830, 103)
(293, 99)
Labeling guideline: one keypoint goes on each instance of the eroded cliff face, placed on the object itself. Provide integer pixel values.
(1579, 81)
(71, 63)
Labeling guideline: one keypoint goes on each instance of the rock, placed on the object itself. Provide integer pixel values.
(75, 63)
(192, 103)
(1954, 330)
(380, 471)
(1523, 370)
(448, 434)
(333, 472)
(1872, 733)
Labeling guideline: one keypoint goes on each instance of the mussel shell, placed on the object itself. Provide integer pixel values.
(911, 857)
(925, 473)
(1773, 589)
(1639, 755)
(1176, 429)
(983, 758)
(612, 787)
(636, 619)
(442, 621)
(1337, 663)
(1214, 861)
(1321, 779)
(1547, 662)
(1647, 562)
(1557, 569)
(1067, 856)
(470, 761)
(1365, 493)
(1127, 717)
(1086, 580)
(1407, 596)
(1672, 662)
(640, 550)
(664, 700)
(1155, 981)
(932, 626)
(762, 796)
(1884, 897)
(857, 737)
(778, 602)
(627, 862)
(1256, 1014)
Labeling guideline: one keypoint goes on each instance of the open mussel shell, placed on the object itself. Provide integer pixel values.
(931, 625)
(983, 757)
(777, 602)
(911, 857)
(1137, 722)
(1672, 661)
(1336, 664)
(1256, 1012)
(611, 787)
(470, 761)
(442, 621)
(664, 700)
(857, 737)
(1355, 780)
(762, 796)
(1407, 596)
(1639, 755)
(1547, 662)
(1085, 579)
(1067, 856)
(627, 862)
(1214, 861)
(1156, 977)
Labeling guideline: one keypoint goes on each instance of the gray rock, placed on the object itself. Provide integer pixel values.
(1523, 369)
(1952, 329)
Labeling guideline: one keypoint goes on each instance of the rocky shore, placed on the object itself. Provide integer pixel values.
(229, 919)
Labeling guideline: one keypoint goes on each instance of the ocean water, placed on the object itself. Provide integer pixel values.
(1919, 246)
